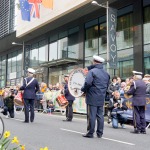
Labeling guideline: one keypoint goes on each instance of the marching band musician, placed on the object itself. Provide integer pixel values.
(138, 90)
(70, 98)
(95, 87)
(30, 87)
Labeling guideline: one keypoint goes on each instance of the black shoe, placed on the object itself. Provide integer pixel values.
(135, 132)
(99, 135)
(143, 132)
(25, 121)
(69, 120)
(32, 121)
(87, 135)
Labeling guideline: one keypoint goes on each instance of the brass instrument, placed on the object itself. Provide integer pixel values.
(125, 90)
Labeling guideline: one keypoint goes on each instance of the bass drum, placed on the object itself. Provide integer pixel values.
(76, 81)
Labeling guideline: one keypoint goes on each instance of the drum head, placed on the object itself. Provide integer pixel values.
(18, 102)
(76, 81)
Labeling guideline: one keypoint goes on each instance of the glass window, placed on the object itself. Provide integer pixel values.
(2, 71)
(147, 25)
(125, 69)
(147, 58)
(73, 45)
(62, 48)
(42, 54)
(34, 57)
(91, 41)
(53, 51)
(103, 38)
(124, 35)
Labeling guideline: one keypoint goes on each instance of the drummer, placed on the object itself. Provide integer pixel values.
(70, 98)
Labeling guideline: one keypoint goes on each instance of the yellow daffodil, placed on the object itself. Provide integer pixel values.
(45, 148)
(6, 134)
(15, 140)
(22, 147)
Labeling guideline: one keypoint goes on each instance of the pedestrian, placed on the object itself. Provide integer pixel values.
(95, 87)
(70, 98)
(138, 90)
(30, 87)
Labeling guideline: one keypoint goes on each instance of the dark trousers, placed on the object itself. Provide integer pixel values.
(139, 118)
(29, 106)
(95, 113)
(10, 110)
(69, 110)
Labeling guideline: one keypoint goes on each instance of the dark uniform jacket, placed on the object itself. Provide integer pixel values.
(113, 88)
(96, 84)
(138, 90)
(9, 102)
(31, 89)
(67, 94)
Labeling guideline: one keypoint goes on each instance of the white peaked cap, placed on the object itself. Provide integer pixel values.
(31, 70)
(98, 58)
(137, 73)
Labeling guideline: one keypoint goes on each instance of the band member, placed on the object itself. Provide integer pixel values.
(70, 98)
(95, 86)
(30, 87)
(138, 90)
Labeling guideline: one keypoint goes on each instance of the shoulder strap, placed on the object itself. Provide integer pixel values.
(27, 84)
(134, 85)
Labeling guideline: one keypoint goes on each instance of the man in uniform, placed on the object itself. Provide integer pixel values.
(30, 87)
(138, 90)
(95, 87)
(70, 98)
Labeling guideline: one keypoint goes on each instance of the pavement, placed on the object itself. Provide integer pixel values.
(51, 131)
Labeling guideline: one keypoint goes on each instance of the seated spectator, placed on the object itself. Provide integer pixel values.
(121, 89)
(147, 82)
(50, 107)
(46, 97)
(9, 105)
(119, 80)
(113, 87)
(117, 107)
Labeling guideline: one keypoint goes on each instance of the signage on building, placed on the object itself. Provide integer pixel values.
(112, 23)
(12, 75)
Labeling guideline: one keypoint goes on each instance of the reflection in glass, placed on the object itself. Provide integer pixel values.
(53, 51)
(124, 35)
(91, 41)
(73, 45)
(62, 48)
(42, 54)
(146, 25)
(103, 38)
(34, 57)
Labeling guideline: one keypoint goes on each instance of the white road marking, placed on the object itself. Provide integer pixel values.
(102, 137)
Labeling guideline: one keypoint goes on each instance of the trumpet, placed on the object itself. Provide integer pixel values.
(125, 90)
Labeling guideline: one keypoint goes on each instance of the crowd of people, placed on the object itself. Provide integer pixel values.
(97, 89)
